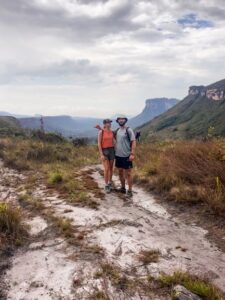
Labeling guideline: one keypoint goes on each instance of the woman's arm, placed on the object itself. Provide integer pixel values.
(100, 145)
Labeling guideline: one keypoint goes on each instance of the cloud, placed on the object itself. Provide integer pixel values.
(191, 20)
(65, 72)
(107, 54)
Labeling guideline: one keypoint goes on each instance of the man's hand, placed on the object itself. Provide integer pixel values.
(98, 127)
(131, 157)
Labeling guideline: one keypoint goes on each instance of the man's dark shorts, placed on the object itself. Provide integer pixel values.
(123, 163)
(109, 153)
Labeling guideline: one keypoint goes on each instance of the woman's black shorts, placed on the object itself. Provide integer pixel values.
(109, 153)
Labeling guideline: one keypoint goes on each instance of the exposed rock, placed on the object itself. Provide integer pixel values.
(213, 93)
(181, 293)
(153, 108)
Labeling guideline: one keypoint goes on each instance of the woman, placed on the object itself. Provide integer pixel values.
(107, 152)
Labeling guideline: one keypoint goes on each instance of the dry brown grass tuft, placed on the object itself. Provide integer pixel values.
(187, 171)
(149, 256)
(12, 226)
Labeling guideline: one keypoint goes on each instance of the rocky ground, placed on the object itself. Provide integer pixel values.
(99, 256)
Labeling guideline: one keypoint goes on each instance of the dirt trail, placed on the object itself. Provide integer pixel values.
(50, 268)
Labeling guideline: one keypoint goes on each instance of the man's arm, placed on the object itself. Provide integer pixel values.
(133, 145)
(98, 127)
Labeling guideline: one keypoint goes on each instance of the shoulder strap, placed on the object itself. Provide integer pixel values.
(128, 134)
(115, 133)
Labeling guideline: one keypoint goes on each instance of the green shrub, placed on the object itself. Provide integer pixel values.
(194, 284)
(55, 178)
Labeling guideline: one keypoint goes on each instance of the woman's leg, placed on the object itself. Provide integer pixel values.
(106, 170)
(111, 166)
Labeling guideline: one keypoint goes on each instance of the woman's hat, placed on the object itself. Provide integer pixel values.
(107, 121)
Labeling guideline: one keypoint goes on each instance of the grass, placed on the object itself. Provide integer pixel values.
(82, 199)
(26, 200)
(185, 171)
(63, 225)
(114, 273)
(55, 178)
(130, 282)
(41, 155)
(57, 163)
(194, 284)
(149, 256)
(12, 226)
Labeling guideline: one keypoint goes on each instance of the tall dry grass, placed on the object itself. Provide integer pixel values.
(26, 153)
(188, 171)
(12, 227)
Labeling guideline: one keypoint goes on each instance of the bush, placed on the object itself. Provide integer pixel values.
(194, 284)
(11, 224)
(55, 178)
(188, 171)
(80, 142)
(50, 137)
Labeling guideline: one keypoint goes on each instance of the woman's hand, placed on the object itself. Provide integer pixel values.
(102, 157)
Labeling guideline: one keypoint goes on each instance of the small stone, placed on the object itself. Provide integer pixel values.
(181, 293)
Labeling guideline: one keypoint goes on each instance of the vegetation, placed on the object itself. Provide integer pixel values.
(12, 227)
(190, 118)
(9, 126)
(194, 284)
(185, 171)
(149, 256)
(35, 153)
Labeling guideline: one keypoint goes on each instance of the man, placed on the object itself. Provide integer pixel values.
(125, 154)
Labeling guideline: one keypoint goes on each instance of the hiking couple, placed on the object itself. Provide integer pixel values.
(118, 146)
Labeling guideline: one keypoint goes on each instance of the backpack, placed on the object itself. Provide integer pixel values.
(127, 134)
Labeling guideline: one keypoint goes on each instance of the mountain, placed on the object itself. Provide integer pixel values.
(203, 107)
(81, 126)
(9, 125)
(7, 114)
(66, 125)
(153, 107)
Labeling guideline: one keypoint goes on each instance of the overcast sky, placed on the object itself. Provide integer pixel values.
(100, 57)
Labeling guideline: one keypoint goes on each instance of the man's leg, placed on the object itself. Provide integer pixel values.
(122, 177)
(129, 179)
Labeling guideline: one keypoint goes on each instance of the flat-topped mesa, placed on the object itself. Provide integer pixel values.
(215, 94)
(156, 103)
(197, 90)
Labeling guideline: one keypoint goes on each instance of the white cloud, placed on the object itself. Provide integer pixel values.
(102, 56)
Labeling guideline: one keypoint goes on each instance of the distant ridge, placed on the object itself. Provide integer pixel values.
(203, 107)
(153, 108)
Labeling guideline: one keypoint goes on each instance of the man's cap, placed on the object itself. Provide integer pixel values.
(106, 121)
(121, 117)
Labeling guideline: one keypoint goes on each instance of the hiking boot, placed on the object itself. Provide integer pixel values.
(110, 186)
(122, 190)
(130, 193)
(107, 189)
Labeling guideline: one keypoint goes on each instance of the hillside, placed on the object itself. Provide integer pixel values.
(66, 125)
(153, 107)
(83, 126)
(9, 126)
(203, 107)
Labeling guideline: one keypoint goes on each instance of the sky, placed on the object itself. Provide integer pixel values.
(102, 57)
